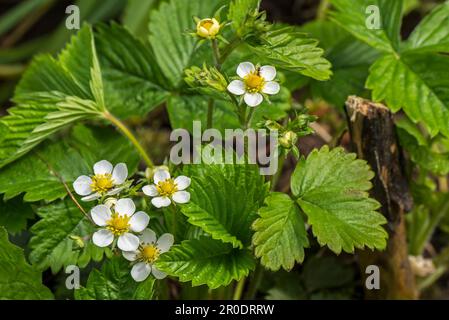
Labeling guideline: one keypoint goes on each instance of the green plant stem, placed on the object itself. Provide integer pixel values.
(239, 289)
(121, 126)
(211, 103)
(277, 175)
(210, 113)
(216, 52)
(234, 43)
(249, 118)
(433, 224)
(255, 282)
(322, 9)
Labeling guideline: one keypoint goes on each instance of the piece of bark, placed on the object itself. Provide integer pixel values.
(374, 139)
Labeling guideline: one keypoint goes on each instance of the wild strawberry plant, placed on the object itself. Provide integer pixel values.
(136, 226)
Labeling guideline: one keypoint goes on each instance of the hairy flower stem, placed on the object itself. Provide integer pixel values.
(121, 126)
(239, 289)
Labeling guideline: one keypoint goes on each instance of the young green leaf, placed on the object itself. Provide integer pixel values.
(238, 13)
(114, 282)
(280, 234)
(19, 280)
(376, 22)
(224, 200)
(330, 187)
(206, 261)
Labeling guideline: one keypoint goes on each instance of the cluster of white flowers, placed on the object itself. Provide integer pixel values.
(117, 220)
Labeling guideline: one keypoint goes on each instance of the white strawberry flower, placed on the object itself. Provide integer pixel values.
(255, 82)
(120, 222)
(150, 248)
(107, 180)
(166, 190)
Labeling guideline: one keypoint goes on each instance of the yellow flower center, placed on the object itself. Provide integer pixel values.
(166, 188)
(149, 253)
(101, 183)
(118, 224)
(254, 82)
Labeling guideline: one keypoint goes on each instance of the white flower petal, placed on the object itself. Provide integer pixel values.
(128, 242)
(130, 255)
(92, 197)
(139, 221)
(101, 214)
(236, 87)
(150, 190)
(82, 185)
(140, 271)
(148, 236)
(125, 207)
(182, 182)
(271, 87)
(245, 68)
(102, 238)
(102, 167)
(160, 202)
(161, 175)
(268, 73)
(181, 197)
(253, 99)
(115, 191)
(165, 242)
(157, 273)
(120, 173)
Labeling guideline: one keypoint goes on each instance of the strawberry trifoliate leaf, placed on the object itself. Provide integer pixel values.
(330, 187)
(281, 235)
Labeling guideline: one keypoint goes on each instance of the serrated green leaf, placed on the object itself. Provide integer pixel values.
(18, 280)
(114, 282)
(353, 15)
(294, 51)
(432, 34)
(14, 215)
(418, 84)
(134, 84)
(280, 234)
(52, 244)
(206, 261)
(39, 174)
(331, 190)
(350, 60)
(174, 49)
(224, 200)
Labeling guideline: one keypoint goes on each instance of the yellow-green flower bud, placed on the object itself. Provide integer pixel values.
(207, 28)
(288, 139)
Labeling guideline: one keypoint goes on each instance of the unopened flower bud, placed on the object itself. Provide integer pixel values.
(207, 28)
